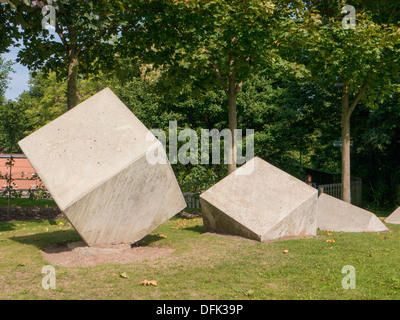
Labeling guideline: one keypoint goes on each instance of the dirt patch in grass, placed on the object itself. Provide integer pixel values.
(78, 254)
(30, 213)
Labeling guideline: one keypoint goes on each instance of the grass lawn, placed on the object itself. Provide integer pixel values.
(205, 266)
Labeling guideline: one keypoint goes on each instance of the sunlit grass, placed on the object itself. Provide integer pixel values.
(204, 266)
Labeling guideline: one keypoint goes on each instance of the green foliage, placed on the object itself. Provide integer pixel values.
(368, 54)
(12, 124)
(377, 152)
(8, 30)
(5, 70)
(213, 44)
(86, 27)
(179, 58)
(43, 102)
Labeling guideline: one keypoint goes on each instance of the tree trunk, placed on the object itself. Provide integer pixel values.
(72, 80)
(232, 118)
(346, 191)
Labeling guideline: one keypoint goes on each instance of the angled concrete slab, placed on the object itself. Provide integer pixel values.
(93, 161)
(337, 215)
(394, 218)
(261, 202)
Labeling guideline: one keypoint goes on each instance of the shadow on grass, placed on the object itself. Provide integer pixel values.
(45, 239)
(16, 225)
(197, 229)
(8, 226)
(149, 239)
(62, 237)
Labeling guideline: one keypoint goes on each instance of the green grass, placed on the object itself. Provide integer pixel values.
(25, 203)
(206, 267)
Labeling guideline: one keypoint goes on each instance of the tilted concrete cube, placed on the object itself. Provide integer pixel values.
(260, 202)
(337, 215)
(394, 218)
(92, 159)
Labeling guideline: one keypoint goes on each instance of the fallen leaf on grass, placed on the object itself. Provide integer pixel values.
(175, 227)
(21, 264)
(123, 275)
(148, 283)
(285, 251)
(330, 240)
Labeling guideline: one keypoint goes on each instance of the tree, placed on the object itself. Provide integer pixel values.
(363, 62)
(7, 117)
(8, 30)
(378, 151)
(12, 123)
(5, 70)
(44, 101)
(81, 43)
(214, 43)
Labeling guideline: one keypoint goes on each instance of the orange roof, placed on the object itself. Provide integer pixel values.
(22, 173)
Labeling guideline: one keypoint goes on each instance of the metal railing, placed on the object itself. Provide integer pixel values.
(335, 190)
(192, 200)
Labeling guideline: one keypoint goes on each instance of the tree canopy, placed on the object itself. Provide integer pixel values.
(287, 69)
(218, 44)
(81, 42)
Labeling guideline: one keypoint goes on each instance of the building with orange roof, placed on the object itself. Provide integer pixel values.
(22, 173)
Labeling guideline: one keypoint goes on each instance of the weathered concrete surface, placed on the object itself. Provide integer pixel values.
(337, 215)
(93, 161)
(394, 218)
(261, 202)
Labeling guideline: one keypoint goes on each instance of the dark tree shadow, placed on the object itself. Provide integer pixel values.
(8, 226)
(197, 229)
(61, 238)
(12, 225)
(144, 242)
(45, 239)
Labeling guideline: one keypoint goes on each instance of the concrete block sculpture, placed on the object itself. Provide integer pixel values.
(92, 159)
(337, 215)
(394, 218)
(260, 202)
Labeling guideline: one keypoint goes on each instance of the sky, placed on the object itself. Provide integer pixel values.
(19, 78)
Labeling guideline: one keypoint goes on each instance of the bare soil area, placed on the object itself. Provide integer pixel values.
(78, 254)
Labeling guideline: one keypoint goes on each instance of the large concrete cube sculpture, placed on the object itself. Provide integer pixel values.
(337, 215)
(93, 161)
(394, 218)
(260, 202)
